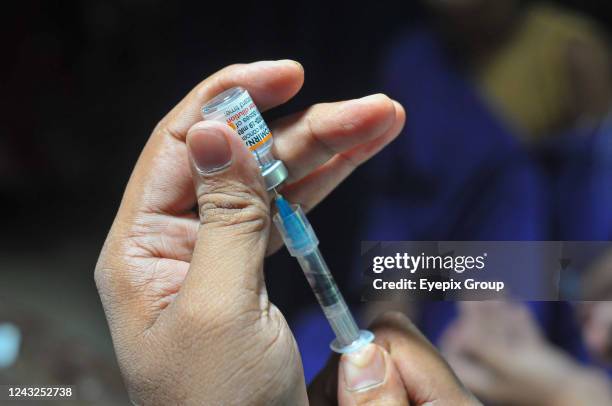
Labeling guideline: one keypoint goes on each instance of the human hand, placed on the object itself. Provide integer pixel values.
(401, 368)
(183, 291)
(497, 350)
(596, 321)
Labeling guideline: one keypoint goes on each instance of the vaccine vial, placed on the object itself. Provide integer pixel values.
(235, 108)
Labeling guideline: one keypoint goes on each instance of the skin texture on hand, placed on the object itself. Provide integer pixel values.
(183, 291)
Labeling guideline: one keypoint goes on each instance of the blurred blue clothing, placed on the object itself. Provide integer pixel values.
(458, 173)
(578, 165)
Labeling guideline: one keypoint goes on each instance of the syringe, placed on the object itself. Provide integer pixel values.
(302, 243)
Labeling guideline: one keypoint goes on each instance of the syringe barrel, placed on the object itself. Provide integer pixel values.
(326, 291)
(303, 244)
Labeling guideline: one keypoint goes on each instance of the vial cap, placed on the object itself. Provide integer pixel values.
(274, 174)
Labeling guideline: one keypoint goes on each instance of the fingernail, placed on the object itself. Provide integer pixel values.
(364, 101)
(270, 64)
(209, 150)
(369, 98)
(364, 369)
(299, 65)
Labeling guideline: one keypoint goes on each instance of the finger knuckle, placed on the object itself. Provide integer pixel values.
(235, 205)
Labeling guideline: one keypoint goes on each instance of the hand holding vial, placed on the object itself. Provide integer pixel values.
(184, 292)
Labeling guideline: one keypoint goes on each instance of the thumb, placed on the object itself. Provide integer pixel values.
(234, 219)
(368, 377)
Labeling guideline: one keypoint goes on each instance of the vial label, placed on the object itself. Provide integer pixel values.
(245, 119)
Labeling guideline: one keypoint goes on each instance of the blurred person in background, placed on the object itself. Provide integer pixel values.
(541, 68)
(507, 104)
(505, 140)
(500, 353)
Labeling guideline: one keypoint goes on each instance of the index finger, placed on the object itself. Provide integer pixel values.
(270, 83)
(161, 181)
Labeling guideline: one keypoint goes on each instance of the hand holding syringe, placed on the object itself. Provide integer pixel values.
(185, 294)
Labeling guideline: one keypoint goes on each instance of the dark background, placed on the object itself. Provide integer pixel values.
(84, 83)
